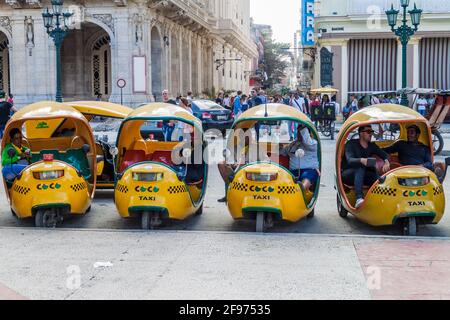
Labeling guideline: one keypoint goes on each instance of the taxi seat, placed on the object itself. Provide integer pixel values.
(132, 157)
(161, 156)
(77, 142)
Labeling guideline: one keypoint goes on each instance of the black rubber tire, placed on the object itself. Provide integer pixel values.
(342, 212)
(145, 221)
(260, 222)
(410, 227)
(311, 214)
(199, 211)
(437, 137)
(39, 219)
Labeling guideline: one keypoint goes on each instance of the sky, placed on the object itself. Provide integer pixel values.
(282, 15)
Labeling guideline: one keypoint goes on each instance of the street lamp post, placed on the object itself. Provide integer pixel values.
(404, 32)
(55, 22)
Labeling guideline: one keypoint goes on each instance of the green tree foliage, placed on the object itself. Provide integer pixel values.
(275, 61)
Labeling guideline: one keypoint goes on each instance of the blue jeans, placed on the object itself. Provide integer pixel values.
(2, 130)
(10, 172)
(422, 112)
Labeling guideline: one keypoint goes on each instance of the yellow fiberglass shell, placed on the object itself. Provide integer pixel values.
(385, 202)
(29, 194)
(42, 115)
(388, 202)
(282, 197)
(101, 108)
(169, 196)
(130, 132)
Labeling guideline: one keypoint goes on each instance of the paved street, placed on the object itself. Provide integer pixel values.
(323, 258)
(216, 216)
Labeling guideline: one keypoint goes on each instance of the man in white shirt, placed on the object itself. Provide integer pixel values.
(298, 102)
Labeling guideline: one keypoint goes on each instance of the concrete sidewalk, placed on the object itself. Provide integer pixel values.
(59, 264)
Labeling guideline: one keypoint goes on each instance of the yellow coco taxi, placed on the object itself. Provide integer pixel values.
(50, 170)
(106, 117)
(261, 186)
(160, 180)
(406, 195)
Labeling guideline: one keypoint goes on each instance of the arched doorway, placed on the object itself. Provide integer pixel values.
(86, 63)
(156, 64)
(175, 66)
(4, 64)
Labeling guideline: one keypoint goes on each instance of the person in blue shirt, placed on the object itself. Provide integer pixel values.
(412, 152)
(237, 106)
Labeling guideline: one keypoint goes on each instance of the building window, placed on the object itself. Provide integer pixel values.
(96, 74)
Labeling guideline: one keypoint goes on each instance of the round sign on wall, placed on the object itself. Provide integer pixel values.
(121, 83)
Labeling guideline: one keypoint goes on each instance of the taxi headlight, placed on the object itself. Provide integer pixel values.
(48, 175)
(414, 182)
(148, 177)
(261, 177)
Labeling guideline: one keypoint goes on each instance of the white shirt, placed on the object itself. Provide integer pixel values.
(422, 104)
(299, 104)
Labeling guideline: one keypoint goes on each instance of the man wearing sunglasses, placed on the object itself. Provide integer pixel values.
(359, 168)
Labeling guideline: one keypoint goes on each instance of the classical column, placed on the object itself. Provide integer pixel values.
(21, 78)
(344, 69)
(416, 61)
(399, 64)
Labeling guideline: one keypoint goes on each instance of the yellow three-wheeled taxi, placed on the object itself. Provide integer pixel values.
(49, 164)
(263, 188)
(406, 195)
(160, 180)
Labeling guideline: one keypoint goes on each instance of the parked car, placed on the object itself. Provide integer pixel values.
(212, 115)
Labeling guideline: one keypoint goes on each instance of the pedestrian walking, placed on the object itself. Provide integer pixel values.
(422, 105)
(237, 105)
(168, 126)
(5, 112)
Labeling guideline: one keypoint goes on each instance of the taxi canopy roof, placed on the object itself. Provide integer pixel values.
(324, 91)
(275, 112)
(385, 113)
(164, 111)
(47, 110)
(101, 108)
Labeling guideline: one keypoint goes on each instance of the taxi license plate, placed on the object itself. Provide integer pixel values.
(221, 117)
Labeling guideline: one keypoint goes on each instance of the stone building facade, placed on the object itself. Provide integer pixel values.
(181, 45)
(357, 47)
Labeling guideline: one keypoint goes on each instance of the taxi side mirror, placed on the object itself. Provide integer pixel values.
(114, 151)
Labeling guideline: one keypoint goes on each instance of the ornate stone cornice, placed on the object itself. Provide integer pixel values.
(106, 19)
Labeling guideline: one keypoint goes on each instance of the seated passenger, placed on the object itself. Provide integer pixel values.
(412, 152)
(356, 169)
(226, 170)
(15, 157)
(303, 159)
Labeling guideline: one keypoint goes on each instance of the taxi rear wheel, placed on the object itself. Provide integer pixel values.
(260, 222)
(342, 212)
(46, 219)
(312, 214)
(410, 227)
(145, 221)
(199, 211)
